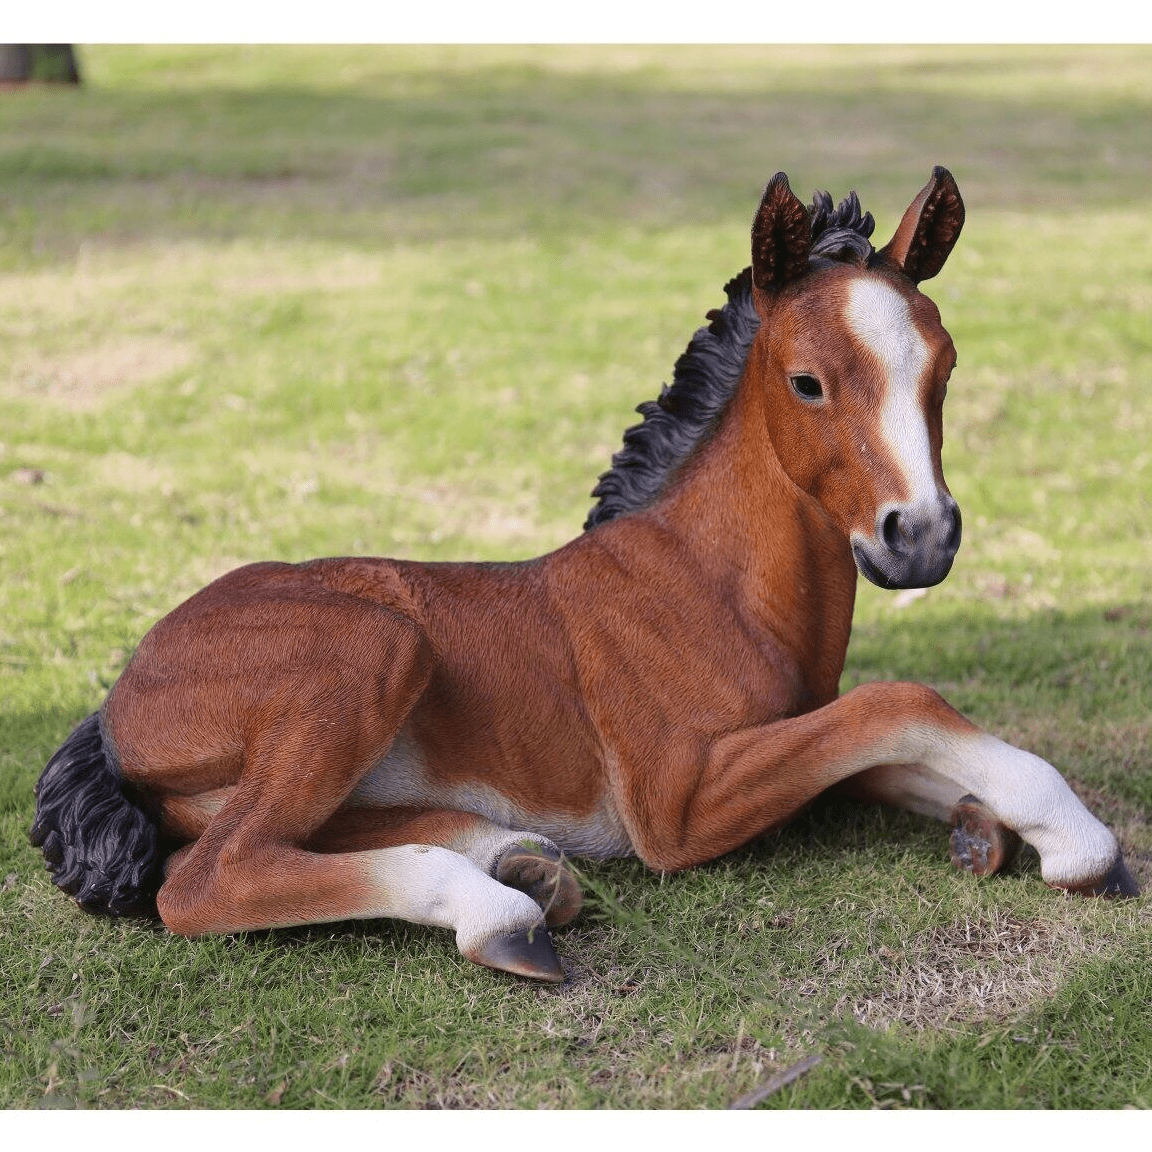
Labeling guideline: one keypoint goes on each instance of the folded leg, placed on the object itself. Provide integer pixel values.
(979, 843)
(523, 860)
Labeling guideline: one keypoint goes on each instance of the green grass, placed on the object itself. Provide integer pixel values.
(278, 303)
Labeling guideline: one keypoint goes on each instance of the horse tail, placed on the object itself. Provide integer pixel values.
(101, 848)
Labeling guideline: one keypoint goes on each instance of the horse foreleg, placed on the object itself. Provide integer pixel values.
(979, 843)
(754, 779)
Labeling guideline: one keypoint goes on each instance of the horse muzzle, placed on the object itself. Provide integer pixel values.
(913, 546)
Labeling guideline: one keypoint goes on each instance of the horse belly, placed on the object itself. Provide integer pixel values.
(404, 779)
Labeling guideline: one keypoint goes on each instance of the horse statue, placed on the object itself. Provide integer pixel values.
(364, 737)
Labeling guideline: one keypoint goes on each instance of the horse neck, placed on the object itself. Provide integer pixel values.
(767, 547)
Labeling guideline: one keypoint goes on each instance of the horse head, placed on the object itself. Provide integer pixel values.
(854, 363)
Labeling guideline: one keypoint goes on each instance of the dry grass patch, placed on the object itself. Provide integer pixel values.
(131, 473)
(84, 380)
(976, 970)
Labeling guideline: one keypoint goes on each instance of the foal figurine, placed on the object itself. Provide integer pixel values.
(302, 743)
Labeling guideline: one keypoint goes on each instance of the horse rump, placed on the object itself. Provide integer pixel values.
(101, 848)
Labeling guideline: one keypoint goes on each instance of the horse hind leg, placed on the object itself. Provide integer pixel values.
(256, 866)
(281, 886)
(498, 890)
(496, 925)
(526, 861)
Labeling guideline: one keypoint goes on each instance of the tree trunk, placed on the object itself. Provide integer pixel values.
(45, 63)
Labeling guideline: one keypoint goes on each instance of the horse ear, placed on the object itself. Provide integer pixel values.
(781, 237)
(929, 230)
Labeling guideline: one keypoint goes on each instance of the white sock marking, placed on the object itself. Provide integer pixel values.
(1030, 796)
(428, 885)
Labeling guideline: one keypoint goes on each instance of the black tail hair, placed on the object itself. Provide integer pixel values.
(100, 847)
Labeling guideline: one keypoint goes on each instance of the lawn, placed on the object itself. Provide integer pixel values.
(266, 303)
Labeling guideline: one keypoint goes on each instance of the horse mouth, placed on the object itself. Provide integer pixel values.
(905, 571)
(913, 545)
(869, 570)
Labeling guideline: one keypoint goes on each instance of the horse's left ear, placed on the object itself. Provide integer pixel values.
(929, 230)
(781, 237)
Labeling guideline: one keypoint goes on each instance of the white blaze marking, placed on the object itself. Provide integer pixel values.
(879, 318)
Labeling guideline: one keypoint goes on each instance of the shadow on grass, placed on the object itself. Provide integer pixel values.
(511, 150)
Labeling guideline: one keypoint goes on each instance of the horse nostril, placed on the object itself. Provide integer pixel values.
(954, 536)
(892, 531)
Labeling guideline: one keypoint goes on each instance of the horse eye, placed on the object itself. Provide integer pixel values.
(807, 387)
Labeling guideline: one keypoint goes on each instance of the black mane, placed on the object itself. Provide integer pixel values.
(706, 375)
(841, 233)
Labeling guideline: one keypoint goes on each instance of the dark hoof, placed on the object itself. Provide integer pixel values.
(545, 878)
(1117, 881)
(528, 952)
(979, 843)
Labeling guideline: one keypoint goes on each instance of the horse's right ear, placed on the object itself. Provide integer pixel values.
(781, 237)
(929, 230)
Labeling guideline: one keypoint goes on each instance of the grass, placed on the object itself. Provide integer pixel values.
(278, 303)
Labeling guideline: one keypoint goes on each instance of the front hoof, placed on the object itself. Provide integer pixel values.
(527, 952)
(544, 877)
(979, 843)
(1117, 881)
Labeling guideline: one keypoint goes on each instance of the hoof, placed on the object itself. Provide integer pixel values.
(979, 843)
(1117, 881)
(546, 879)
(527, 952)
